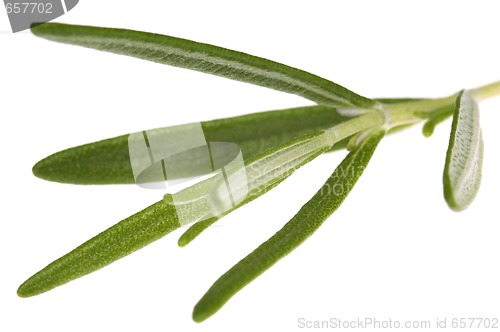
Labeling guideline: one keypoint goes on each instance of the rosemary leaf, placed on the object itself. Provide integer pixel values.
(108, 161)
(464, 158)
(204, 201)
(300, 227)
(270, 176)
(205, 58)
(127, 236)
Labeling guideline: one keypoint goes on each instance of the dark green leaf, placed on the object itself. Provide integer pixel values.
(300, 227)
(108, 161)
(120, 240)
(205, 58)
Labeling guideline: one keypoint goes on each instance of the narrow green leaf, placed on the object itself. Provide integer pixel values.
(108, 161)
(203, 201)
(263, 174)
(389, 101)
(205, 58)
(464, 158)
(120, 240)
(300, 227)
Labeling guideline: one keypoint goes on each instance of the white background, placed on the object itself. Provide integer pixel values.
(393, 251)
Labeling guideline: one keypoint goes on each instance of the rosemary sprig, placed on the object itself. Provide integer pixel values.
(274, 144)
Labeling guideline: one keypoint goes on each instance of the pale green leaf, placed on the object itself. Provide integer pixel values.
(464, 158)
(203, 201)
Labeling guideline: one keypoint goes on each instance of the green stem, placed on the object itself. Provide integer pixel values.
(414, 111)
(486, 91)
(361, 123)
(390, 115)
